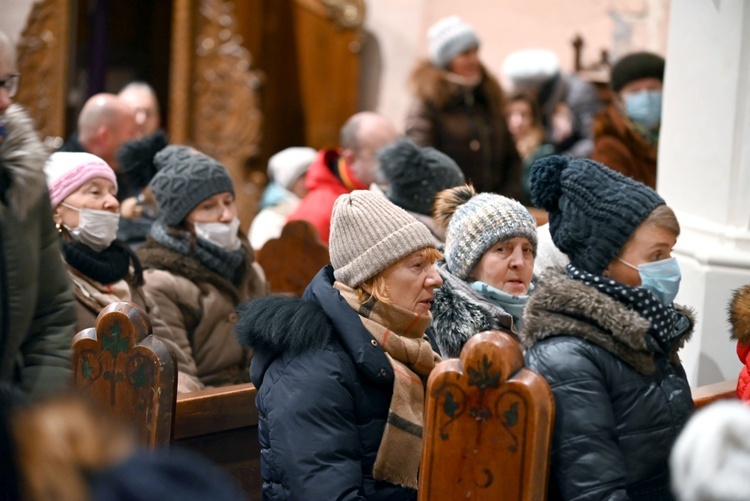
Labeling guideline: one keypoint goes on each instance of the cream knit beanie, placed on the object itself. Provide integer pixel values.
(369, 233)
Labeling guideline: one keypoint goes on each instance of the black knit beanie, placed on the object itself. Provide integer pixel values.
(593, 210)
(415, 175)
(184, 179)
(634, 67)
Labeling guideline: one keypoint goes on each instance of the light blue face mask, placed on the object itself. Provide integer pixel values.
(662, 278)
(644, 107)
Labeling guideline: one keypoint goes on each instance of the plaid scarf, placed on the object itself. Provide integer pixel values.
(401, 334)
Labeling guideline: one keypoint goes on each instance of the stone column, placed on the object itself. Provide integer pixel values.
(704, 170)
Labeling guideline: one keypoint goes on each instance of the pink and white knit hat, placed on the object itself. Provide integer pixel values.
(66, 172)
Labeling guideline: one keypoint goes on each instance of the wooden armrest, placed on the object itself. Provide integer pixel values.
(704, 395)
(215, 409)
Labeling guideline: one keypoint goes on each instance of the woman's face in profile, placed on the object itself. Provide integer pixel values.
(410, 283)
(648, 243)
(98, 194)
(219, 208)
(507, 266)
(466, 64)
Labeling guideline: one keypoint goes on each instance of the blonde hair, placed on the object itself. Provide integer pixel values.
(664, 217)
(60, 442)
(377, 285)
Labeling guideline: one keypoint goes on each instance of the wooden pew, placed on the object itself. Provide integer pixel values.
(222, 425)
(488, 425)
(704, 395)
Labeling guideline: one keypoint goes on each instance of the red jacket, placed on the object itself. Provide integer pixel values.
(739, 317)
(327, 178)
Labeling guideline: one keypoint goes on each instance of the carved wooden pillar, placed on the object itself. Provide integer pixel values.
(42, 54)
(213, 95)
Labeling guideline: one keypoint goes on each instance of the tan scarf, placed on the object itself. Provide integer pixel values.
(401, 334)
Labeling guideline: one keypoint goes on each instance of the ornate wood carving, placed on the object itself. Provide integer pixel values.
(346, 14)
(42, 54)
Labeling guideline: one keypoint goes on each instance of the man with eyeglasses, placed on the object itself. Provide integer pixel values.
(37, 314)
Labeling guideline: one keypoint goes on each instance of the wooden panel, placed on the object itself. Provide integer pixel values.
(42, 54)
(704, 395)
(488, 425)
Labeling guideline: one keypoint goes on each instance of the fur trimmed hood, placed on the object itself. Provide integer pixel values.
(739, 315)
(22, 158)
(431, 85)
(563, 306)
(459, 312)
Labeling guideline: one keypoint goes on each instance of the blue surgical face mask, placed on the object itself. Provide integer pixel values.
(644, 107)
(662, 278)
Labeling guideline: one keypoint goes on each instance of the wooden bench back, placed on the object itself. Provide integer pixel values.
(488, 425)
(120, 365)
(292, 260)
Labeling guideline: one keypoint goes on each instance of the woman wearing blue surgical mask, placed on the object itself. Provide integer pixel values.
(198, 268)
(626, 133)
(83, 195)
(605, 332)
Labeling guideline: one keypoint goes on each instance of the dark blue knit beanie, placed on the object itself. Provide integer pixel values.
(593, 210)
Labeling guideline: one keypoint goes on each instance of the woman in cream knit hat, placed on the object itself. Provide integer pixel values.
(340, 373)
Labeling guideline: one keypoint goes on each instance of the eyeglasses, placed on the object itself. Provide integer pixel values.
(10, 83)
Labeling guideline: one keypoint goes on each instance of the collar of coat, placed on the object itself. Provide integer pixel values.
(562, 306)
(430, 84)
(154, 255)
(22, 158)
(459, 312)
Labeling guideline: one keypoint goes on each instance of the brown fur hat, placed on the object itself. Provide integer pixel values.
(739, 314)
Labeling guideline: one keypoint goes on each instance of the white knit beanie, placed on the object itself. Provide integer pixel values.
(286, 166)
(369, 233)
(68, 171)
(529, 68)
(448, 38)
(711, 459)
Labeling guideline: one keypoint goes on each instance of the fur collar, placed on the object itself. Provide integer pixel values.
(431, 85)
(562, 306)
(156, 256)
(459, 312)
(22, 158)
(739, 315)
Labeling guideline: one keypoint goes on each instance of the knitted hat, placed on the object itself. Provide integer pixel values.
(415, 175)
(286, 166)
(66, 172)
(634, 67)
(478, 224)
(184, 179)
(369, 233)
(529, 68)
(711, 458)
(448, 38)
(593, 210)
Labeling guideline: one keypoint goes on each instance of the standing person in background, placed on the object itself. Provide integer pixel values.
(37, 314)
(350, 167)
(458, 109)
(198, 268)
(141, 97)
(287, 171)
(568, 103)
(626, 133)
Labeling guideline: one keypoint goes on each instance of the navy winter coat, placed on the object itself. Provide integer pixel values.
(620, 402)
(324, 391)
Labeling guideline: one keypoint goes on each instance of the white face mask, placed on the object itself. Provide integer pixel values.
(96, 228)
(222, 234)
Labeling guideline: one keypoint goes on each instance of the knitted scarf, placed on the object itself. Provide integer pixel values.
(508, 302)
(401, 335)
(225, 263)
(106, 267)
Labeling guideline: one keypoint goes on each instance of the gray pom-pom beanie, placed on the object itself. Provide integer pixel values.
(484, 220)
(592, 209)
(448, 38)
(184, 179)
(368, 234)
(415, 175)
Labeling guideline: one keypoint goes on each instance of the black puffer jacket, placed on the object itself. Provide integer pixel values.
(619, 405)
(459, 312)
(323, 396)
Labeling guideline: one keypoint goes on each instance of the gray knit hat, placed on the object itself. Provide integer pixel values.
(415, 175)
(478, 224)
(184, 179)
(448, 38)
(593, 210)
(369, 233)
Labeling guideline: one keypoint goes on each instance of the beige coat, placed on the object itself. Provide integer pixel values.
(195, 308)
